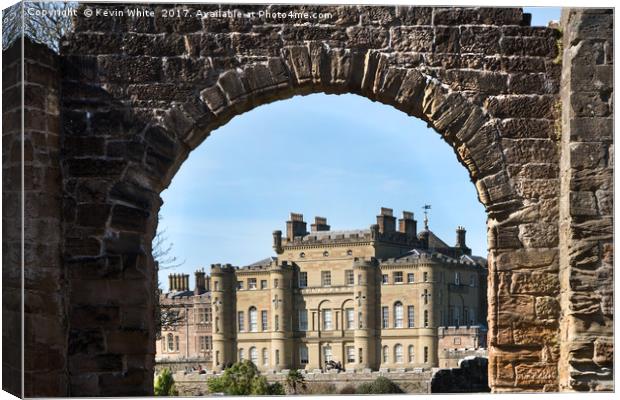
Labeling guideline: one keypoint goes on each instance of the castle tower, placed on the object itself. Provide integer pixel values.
(428, 323)
(364, 294)
(224, 310)
(281, 316)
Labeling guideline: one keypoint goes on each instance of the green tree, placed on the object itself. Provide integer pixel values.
(164, 384)
(295, 381)
(243, 379)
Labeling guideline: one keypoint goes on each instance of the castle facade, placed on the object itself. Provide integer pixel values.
(368, 299)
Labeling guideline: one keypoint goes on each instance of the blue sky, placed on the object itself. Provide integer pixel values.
(341, 157)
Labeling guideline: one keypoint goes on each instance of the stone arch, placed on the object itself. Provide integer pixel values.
(135, 105)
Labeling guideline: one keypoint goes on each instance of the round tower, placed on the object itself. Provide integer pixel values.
(364, 296)
(223, 306)
(281, 316)
(428, 327)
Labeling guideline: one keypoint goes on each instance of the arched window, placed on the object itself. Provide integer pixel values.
(398, 353)
(411, 354)
(170, 342)
(265, 356)
(385, 354)
(254, 355)
(398, 314)
(253, 319)
(426, 318)
(241, 354)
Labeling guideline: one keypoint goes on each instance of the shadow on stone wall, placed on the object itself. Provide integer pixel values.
(471, 377)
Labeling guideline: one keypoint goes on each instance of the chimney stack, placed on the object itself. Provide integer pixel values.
(386, 220)
(460, 240)
(170, 285)
(320, 224)
(407, 224)
(199, 287)
(277, 242)
(295, 226)
(208, 283)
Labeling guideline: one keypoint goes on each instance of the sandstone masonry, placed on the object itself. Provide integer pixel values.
(119, 111)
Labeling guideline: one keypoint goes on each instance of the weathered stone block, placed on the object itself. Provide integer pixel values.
(365, 37)
(547, 308)
(415, 39)
(587, 155)
(533, 375)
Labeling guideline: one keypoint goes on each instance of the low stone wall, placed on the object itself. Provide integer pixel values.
(194, 384)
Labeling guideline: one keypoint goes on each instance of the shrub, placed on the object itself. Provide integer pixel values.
(348, 389)
(164, 384)
(381, 385)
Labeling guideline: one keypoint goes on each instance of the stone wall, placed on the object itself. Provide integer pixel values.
(409, 382)
(43, 280)
(586, 208)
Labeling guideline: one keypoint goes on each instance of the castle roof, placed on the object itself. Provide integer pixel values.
(332, 235)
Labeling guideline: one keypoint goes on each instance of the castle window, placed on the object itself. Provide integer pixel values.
(264, 320)
(302, 255)
(327, 353)
(465, 315)
(204, 315)
(350, 354)
(457, 278)
(457, 316)
(350, 318)
(398, 277)
(385, 354)
(176, 343)
(349, 252)
(303, 279)
(170, 342)
(398, 353)
(303, 320)
(253, 315)
(426, 318)
(385, 312)
(240, 321)
(326, 253)
(425, 295)
(360, 322)
(277, 357)
(252, 283)
(276, 283)
(276, 323)
(204, 343)
(398, 314)
(216, 286)
(241, 354)
(254, 355)
(410, 317)
(349, 278)
(239, 285)
(217, 324)
(265, 356)
(425, 354)
(472, 280)
(263, 284)
(384, 279)
(217, 358)
(425, 276)
(411, 354)
(303, 355)
(472, 317)
(410, 278)
(326, 278)
(327, 320)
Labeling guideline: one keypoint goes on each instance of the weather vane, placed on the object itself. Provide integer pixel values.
(426, 207)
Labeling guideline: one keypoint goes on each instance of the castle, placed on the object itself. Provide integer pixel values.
(369, 299)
